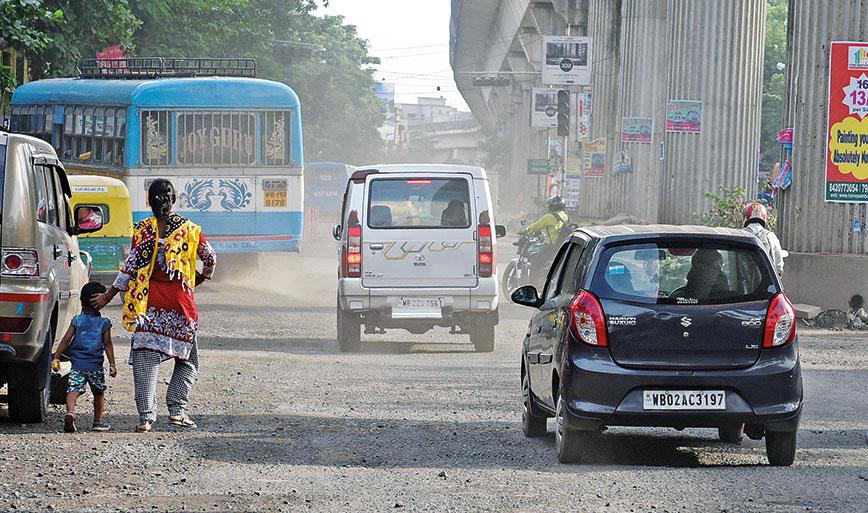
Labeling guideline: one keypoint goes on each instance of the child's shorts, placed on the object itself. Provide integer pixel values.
(78, 379)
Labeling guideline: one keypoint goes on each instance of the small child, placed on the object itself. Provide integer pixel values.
(88, 336)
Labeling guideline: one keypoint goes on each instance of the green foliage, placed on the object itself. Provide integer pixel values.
(22, 23)
(86, 28)
(727, 209)
(774, 80)
(341, 113)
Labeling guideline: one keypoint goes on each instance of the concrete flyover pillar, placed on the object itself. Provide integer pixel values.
(716, 57)
(604, 28)
(642, 73)
(828, 260)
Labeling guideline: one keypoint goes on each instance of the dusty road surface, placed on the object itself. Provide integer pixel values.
(411, 423)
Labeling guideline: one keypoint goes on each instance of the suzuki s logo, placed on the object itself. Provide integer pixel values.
(686, 322)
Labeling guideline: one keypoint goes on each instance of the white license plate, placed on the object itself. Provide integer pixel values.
(684, 400)
(420, 303)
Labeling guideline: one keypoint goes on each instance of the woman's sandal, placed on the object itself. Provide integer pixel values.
(182, 421)
(144, 427)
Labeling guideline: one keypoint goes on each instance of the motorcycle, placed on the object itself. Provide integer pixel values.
(519, 270)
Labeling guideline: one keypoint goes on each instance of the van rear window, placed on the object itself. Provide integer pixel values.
(683, 272)
(419, 203)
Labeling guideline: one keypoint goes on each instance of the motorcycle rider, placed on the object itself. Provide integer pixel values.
(756, 222)
(551, 224)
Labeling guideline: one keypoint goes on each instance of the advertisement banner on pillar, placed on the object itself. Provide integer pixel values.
(572, 192)
(684, 116)
(847, 128)
(638, 130)
(595, 159)
(583, 117)
(566, 60)
(544, 111)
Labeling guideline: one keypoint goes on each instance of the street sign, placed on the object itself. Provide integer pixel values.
(538, 167)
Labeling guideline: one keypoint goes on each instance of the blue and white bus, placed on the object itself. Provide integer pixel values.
(232, 145)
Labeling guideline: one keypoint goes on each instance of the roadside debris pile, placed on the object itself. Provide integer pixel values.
(855, 318)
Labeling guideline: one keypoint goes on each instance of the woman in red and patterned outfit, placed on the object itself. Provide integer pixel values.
(158, 279)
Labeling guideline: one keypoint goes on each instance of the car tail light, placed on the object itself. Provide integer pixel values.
(14, 324)
(486, 251)
(19, 262)
(353, 252)
(587, 320)
(780, 322)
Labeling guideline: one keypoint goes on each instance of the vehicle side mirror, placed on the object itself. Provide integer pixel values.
(524, 222)
(499, 230)
(88, 219)
(526, 296)
(86, 259)
(337, 231)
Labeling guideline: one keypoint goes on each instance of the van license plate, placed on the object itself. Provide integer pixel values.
(420, 303)
(684, 400)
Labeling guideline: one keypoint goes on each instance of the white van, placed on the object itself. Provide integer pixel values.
(417, 251)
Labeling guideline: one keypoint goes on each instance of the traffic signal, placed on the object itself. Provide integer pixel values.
(563, 113)
(491, 81)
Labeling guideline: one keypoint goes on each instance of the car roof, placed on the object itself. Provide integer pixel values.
(475, 171)
(632, 231)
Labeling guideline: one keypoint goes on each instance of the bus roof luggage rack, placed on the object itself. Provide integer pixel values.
(161, 67)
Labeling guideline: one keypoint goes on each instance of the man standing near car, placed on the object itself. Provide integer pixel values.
(756, 222)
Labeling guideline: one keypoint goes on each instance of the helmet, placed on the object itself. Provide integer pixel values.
(555, 204)
(756, 212)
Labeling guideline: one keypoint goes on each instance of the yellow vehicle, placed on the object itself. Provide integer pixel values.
(108, 247)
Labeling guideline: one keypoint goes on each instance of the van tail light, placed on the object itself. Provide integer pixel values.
(353, 252)
(587, 321)
(780, 322)
(486, 251)
(20, 263)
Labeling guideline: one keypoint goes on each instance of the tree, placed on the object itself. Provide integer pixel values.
(774, 79)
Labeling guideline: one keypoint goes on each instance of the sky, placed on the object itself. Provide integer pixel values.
(412, 39)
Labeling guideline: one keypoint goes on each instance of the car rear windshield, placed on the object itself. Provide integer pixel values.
(419, 203)
(683, 272)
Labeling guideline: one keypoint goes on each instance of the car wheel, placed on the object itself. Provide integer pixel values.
(731, 434)
(781, 448)
(349, 327)
(482, 335)
(29, 394)
(531, 424)
(568, 442)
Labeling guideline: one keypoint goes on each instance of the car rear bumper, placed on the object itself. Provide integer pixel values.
(480, 299)
(30, 300)
(598, 392)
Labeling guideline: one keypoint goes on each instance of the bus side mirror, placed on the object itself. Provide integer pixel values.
(88, 219)
(337, 231)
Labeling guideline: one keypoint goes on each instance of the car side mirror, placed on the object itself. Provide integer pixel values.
(499, 230)
(337, 231)
(526, 296)
(88, 219)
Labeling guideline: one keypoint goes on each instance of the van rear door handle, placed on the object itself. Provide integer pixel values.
(57, 252)
(376, 246)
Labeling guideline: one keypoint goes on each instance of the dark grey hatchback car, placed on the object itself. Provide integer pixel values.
(671, 326)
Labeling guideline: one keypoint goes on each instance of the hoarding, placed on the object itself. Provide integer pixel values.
(684, 116)
(595, 159)
(566, 60)
(639, 130)
(847, 126)
(583, 117)
(544, 113)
